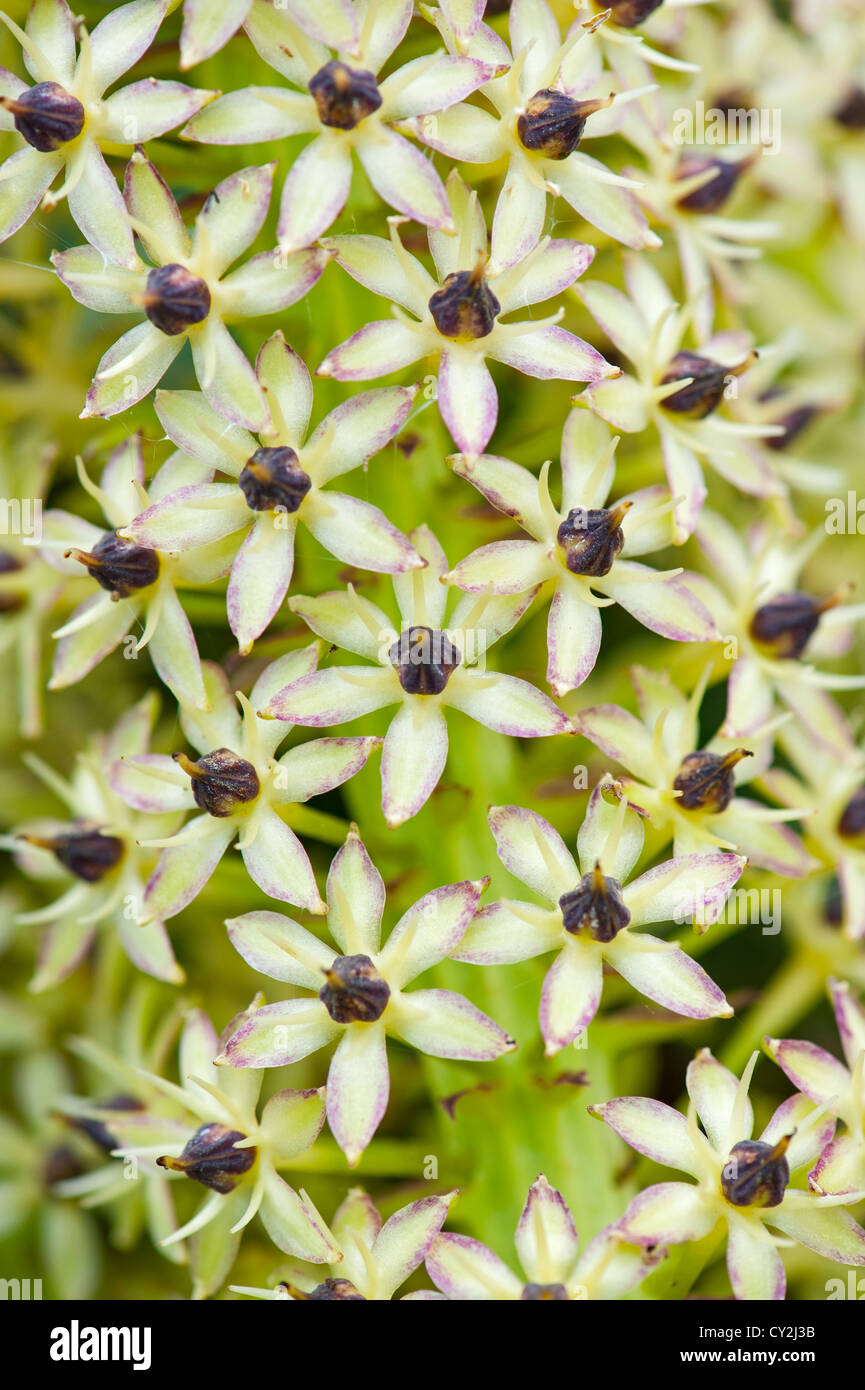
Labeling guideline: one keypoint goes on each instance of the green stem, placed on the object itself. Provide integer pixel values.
(794, 990)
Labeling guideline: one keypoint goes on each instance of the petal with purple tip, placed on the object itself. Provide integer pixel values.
(358, 1086)
(571, 994)
(444, 1024)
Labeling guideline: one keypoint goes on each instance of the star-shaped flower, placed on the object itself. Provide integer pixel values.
(376, 1258)
(243, 790)
(359, 991)
(677, 391)
(456, 316)
(548, 1250)
(67, 121)
(576, 548)
(279, 483)
(589, 913)
(186, 294)
(236, 1154)
(773, 630)
(425, 663)
(333, 54)
(837, 1089)
(742, 1184)
(553, 96)
(97, 858)
(136, 586)
(687, 791)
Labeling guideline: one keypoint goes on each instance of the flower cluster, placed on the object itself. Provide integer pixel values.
(593, 374)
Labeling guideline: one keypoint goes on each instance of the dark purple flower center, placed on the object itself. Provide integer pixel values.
(274, 478)
(211, 1158)
(85, 852)
(629, 13)
(596, 906)
(705, 392)
(592, 538)
(221, 781)
(756, 1174)
(784, 626)
(118, 565)
(552, 123)
(354, 991)
(175, 299)
(851, 825)
(46, 115)
(424, 659)
(465, 306)
(330, 1291)
(544, 1293)
(713, 194)
(344, 96)
(706, 782)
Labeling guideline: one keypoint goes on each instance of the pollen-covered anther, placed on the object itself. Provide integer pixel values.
(175, 299)
(591, 538)
(118, 565)
(465, 306)
(354, 991)
(784, 626)
(344, 96)
(545, 1293)
(330, 1291)
(629, 13)
(424, 659)
(705, 391)
(85, 852)
(46, 115)
(552, 123)
(705, 780)
(596, 906)
(851, 825)
(273, 478)
(211, 1158)
(221, 781)
(712, 195)
(756, 1174)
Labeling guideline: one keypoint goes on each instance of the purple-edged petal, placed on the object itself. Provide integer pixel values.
(795, 1116)
(226, 376)
(431, 83)
(430, 930)
(467, 1271)
(467, 398)
(506, 932)
(208, 27)
(279, 864)
(260, 577)
(621, 736)
(315, 191)
(533, 851)
(356, 431)
(690, 885)
(713, 1090)
(506, 704)
(571, 994)
(133, 780)
(293, 1223)
(405, 1239)
(464, 18)
(121, 38)
(174, 653)
(652, 1128)
(147, 109)
(828, 1231)
(108, 289)
(358, 533)
(402, 177)
(665, 606)
(841, 1166)
(850, 1017)
(444, 1024)
(252, 115)
(378, 349)
(669, 977)
(669, 1213)
(97, 206)
(267, 282)
(821, 1077)
(27, 175)
(754, 1265)
(573, 638)
(184, 869)
(551, 354)
(317, 767)
(550, 271)
(546, 1237)
(51, 26)
(609, 207)
(278, 1034)
(130, 369)
(335, 696)
(503, 567)
(233, 215)
(412, 759)
(355, 898)
(358, 1086)
(276, 946)
(151, 202)
(80, 650)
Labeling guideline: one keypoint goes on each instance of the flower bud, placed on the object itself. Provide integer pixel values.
(424, 659)
(792, 423)
(331, 1291)
(712, 195)
(591, 539)
(756, 1174)
(354, 991)
(465, 306)
(851, 112)
(211, 1158)
(706, 780)
(596, 906)
(46, 115)
(545, 1293)
(175, 299)
(343, 95)
(85, 852)
(784, 626)
(221, 781)
(118, 565)
(552, 123)
(851, 825)
(274, 478)
(97, 1130)
(629, 13)
(706, 391)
